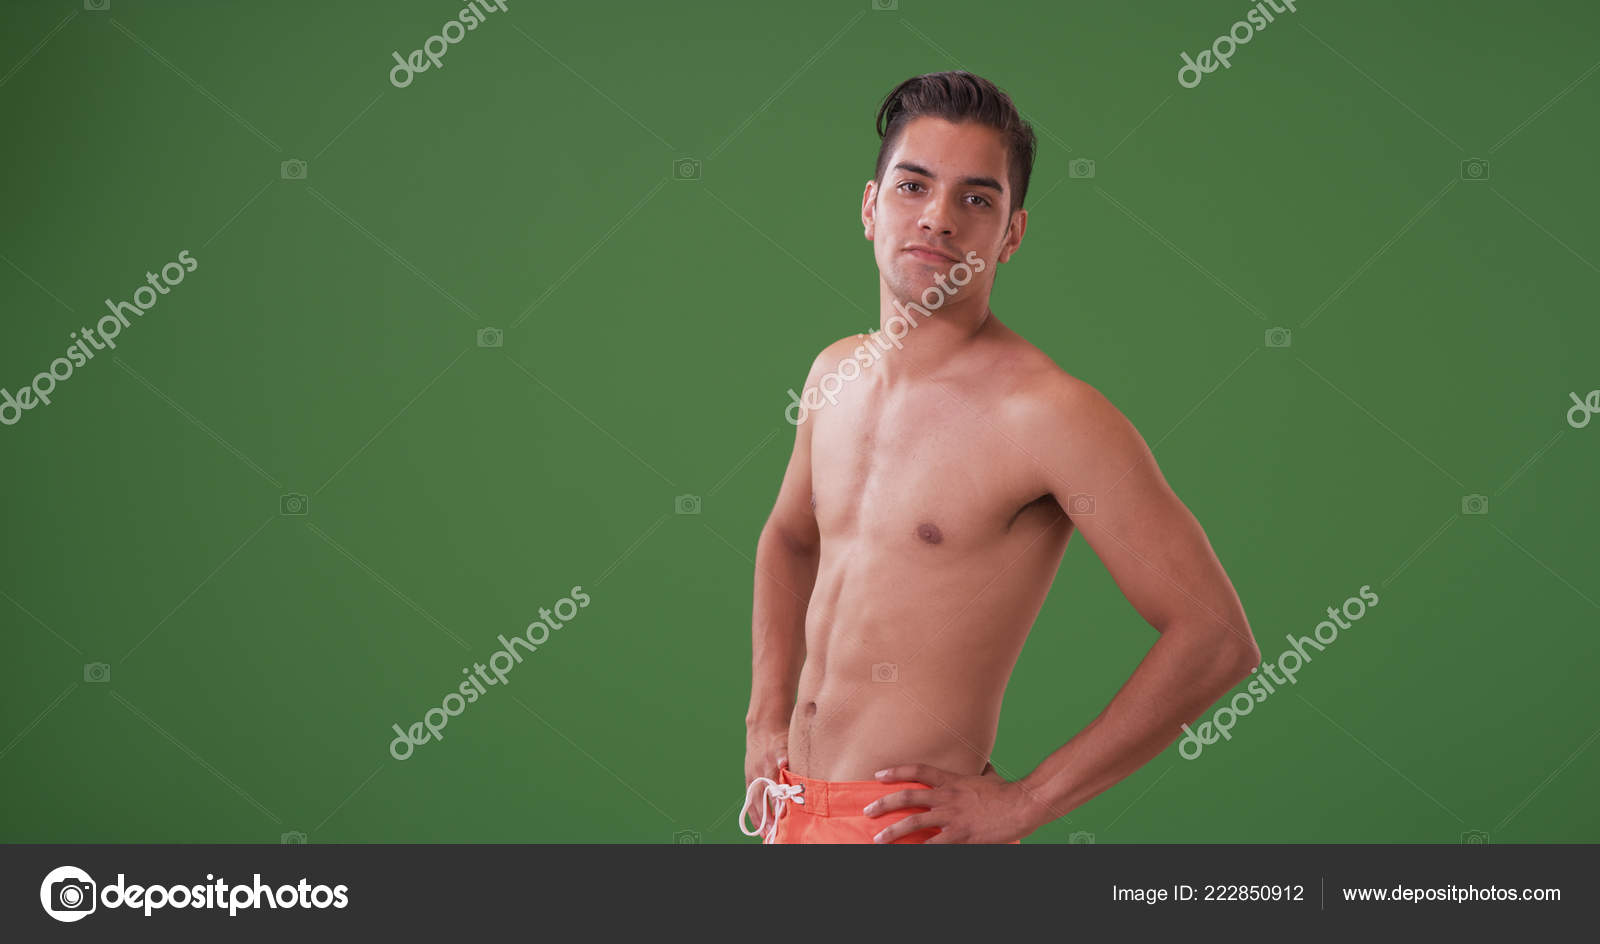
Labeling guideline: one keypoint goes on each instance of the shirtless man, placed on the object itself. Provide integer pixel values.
(926, 507)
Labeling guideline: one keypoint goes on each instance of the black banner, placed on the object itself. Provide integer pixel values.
(193, 892)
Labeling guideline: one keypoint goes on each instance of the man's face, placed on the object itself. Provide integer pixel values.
(946, 186)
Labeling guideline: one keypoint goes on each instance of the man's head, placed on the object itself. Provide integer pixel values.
(960, 97)
(952, 174)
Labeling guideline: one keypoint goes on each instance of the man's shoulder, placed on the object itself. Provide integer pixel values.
(841, 350)
(1078, 439)
(1048, 402)
(1042, 389)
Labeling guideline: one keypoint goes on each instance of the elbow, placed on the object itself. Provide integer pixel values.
(1219, 655)
(1249, 660)
(1230, 653)
(1242, 654)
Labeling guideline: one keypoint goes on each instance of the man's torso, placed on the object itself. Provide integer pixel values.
(940, 539)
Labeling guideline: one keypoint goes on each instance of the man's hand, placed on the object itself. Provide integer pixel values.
(963, 807)
(764, 750)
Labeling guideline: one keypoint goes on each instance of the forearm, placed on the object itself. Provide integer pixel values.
(785, 575)
(1186, 670)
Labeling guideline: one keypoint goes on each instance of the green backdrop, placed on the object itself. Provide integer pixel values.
(327, 346)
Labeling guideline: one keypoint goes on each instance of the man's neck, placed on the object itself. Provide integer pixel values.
(921, 339)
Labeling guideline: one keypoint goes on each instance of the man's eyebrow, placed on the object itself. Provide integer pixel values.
(989, 182)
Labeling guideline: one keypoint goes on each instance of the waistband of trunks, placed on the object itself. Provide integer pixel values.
(841, 797)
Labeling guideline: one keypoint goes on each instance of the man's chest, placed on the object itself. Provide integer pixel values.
(939, 470)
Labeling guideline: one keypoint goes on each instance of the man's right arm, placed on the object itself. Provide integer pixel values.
(786, 570)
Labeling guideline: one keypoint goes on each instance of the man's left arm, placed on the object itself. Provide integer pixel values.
(1102, 473)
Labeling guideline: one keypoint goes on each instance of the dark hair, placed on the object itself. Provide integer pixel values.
(959, 97)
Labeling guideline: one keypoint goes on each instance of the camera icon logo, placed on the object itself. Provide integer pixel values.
(1081, 838)
(1278, 337)
(491, 337)
(293, 837)
(293, 170)
(1079, 506)
(1475, 169)
(96, 672)
(686, 505)
(686, 837)
(886, 4)
(1474, 837)
(93, 5)
(885, 672)
(294, 504)
(1082, 168)
(686, 169)
(68, 894)
(1474, 504)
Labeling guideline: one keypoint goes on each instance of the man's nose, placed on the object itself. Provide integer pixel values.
(937, 218)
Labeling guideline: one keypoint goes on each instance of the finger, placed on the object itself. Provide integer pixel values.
(943, 838)
(919, 773)
(908, 826)
(899, 800)
(748, 814)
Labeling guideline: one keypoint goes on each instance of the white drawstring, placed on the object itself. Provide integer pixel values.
(778, 792)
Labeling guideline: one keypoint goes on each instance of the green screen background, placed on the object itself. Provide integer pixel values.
(327, 346)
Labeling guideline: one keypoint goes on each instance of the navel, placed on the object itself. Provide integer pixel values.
(929, 532)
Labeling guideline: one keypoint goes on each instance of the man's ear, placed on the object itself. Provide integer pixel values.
(869, 201)
(1019, 225)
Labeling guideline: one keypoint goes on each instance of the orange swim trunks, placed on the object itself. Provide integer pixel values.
(796, 809)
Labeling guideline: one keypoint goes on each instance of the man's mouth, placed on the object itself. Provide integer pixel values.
(929, 254)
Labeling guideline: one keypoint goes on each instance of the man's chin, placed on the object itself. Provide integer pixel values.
(922, 268)
(909, 284)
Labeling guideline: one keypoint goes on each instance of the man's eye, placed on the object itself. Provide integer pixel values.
(909, 183)
(982, 201)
